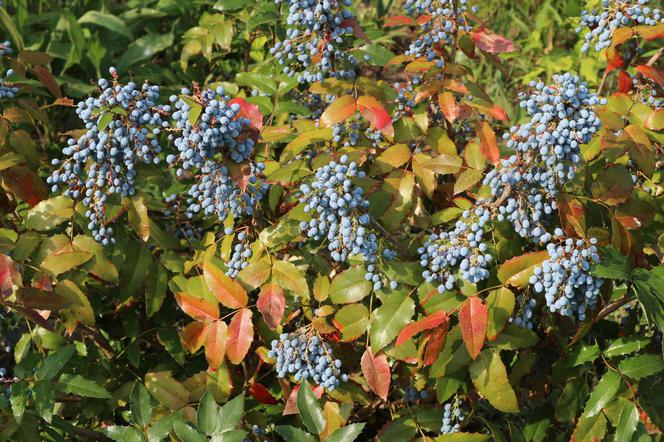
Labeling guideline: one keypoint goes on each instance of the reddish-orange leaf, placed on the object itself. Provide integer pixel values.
(624, 82)
(271, 304)
(613, 59)
(437, 338)
(398, 20)
(651, 32)
(376, 371)
(248, 110)
(240, 336)
(48, 80)
(489, 145)
(340, 110)
(193, 336)
(449, 106)
(25, 184)
(572, 216)
(431, 321)
(493, 43)
(291, 403)
(423, 19)
(198, 308)
(262, 395)
(228, 291)
(473, 320)
(9, 276)
(651, 73)
(215, 343)
(375, 112)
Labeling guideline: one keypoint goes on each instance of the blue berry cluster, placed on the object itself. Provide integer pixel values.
(122, 127)
(525, 185)
(206, 124)
(443, 24)
(182, 225)
(306, 356)
(241, 253)
(564, 278)
(462, 250)
(412, 394)
(5, 48)
(453, 416)
(218, 193)
(526, 307)
(339, 215)
(615, 14)
(317, 40)
(7, 89)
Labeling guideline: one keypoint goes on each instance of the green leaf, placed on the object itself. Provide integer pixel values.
(108, 21)
(648, 289)
(18, 396)
(144, 48)
(613, 185)
(627, 421)
(293, 434)
(603, 392)
(500, 303)
(642, 366)
(490, 378)
(613, 265)
(55, 362)
(571, 400)
(517, 271)
(626, 345)
(310, 410)
(44, 400)
(206, 416)
(138, 217)
(350, 286)
(167, 390)
(159, 430)
(352, 321)
(389, 319)
(230, 414)
(77, 384)
(287, 276)
(155, 293)
(464, 437)
(141, 404)
(514, 337)
(230, 436)
(124, 434)
(187, 433)
(50, 213)
(590, 428)
(346, 434)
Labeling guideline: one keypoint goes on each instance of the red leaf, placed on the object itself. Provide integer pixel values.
(376, 371)
(262, 395)
(423, 19)
(198, 308)
(613, 59)
(251, 111)
(340, 110)
(271, 304)
(572, 216)
(9, 276)
(227, 291)
(291, 403)
(378, 117)
(48, 80)
(449, 106)
(431, 321)
(25, 184)
(398, 20)
(624, 82)
(193, 336)
(651, 73)
(357, 29)
(240, 336)
(493, 43)
(436, 343)
(489, 145)
(473, 320)
(215, 344)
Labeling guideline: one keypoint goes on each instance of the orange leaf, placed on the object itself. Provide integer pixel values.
(449, 106)
(198, 308)
(398, 20)
(291, 403)
(25, 184)
(493, 43)
(248, 110)
(340, 110)
(437, 338)
(240, 336)
(193, 336)
(227, 291)
(473, 320)
(372, 110)
(651, 73)
(624, 82)
(271, 304)
(488, 146)
(431, 321)
(376, 371)
(262, 394)
(215, 344)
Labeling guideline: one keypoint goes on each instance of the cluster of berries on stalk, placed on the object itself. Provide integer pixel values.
(443, 21)
(122, 125)
(317, 38)
(453, 416)
(613, 15)
(240, 254)
(340, 216)
(305, 356)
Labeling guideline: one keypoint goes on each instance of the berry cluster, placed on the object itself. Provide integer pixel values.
(526, 308)
(412, 394)
(564, 279)
(241, 253)
(444, 21)
(122, 127)
(339, 214)
(461, 250)
(7, 89)
(182, 225)
(305, 356)
(5, 48)
(453, 416)
(615, 14)
(316, 41)
(207, 124)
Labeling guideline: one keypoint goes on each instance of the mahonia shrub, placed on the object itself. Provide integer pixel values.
(331, 220)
